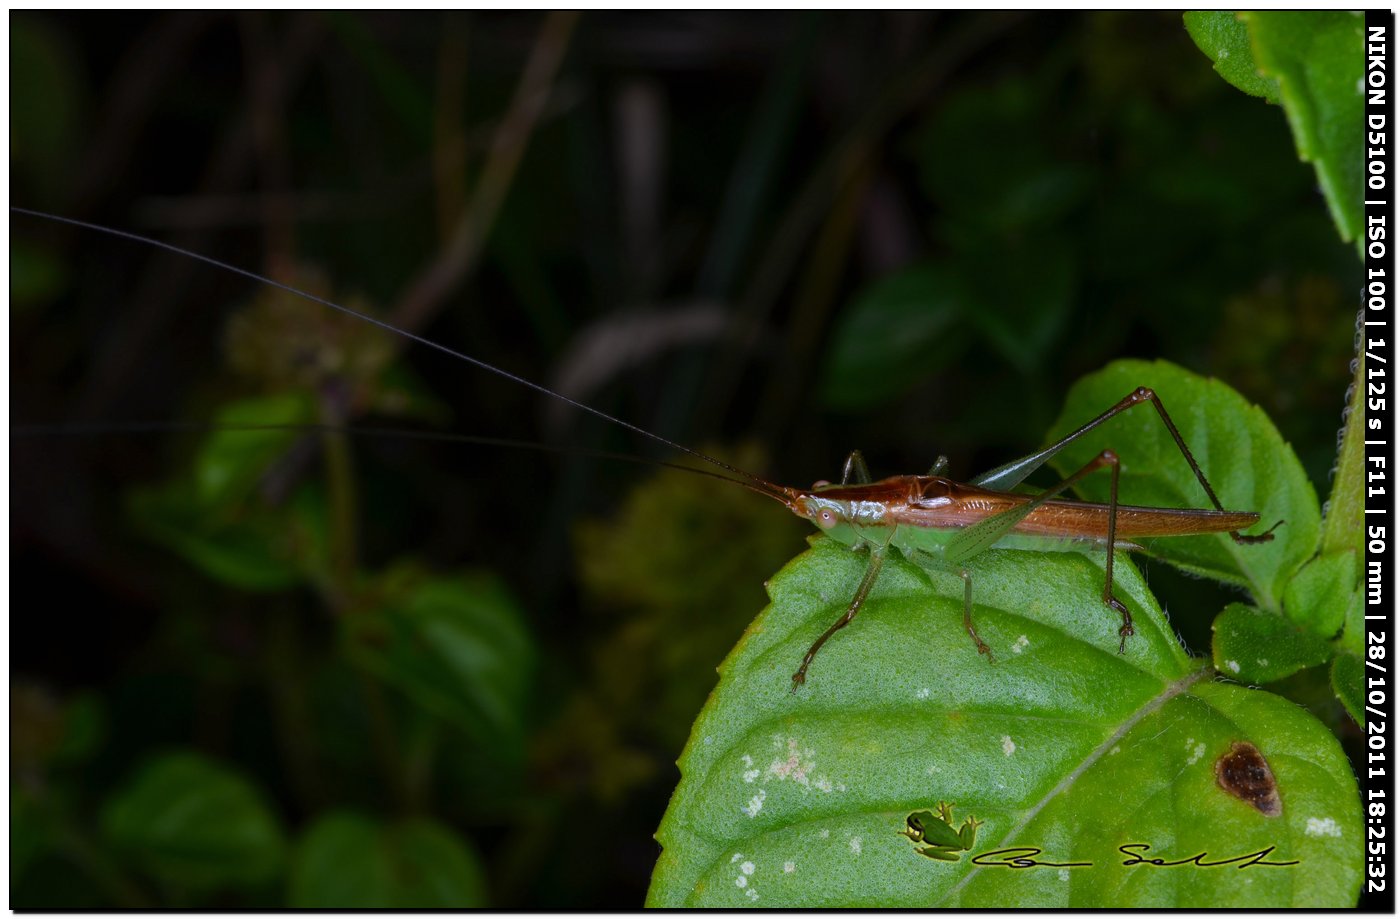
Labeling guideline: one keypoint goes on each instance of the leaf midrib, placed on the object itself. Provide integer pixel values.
(1171, 692)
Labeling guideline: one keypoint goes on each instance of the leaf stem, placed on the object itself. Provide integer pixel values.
(1341, 522)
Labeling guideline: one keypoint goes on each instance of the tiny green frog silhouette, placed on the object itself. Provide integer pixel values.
(935, 830)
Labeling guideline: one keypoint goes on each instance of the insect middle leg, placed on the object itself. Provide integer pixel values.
(984, 534)
(931, 562)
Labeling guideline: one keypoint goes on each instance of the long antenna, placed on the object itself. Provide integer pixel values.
(766, 486)
(98, 429)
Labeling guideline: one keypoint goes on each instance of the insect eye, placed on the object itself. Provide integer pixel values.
(826, 518)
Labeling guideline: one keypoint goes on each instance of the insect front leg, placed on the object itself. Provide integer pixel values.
(867, 582)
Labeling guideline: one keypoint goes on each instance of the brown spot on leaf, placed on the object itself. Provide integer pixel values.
(1245, 774)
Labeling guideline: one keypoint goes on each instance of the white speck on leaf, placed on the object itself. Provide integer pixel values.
(1008, 746)
(789, 867)
(746, 867)
(1263, 662)
(751, 894)
(923, 693)
(793, 767)
(1064, 874)
(1115, 751)
(755, 804)
(1022, 642)
(736, 857)
(1324, 827)
(741, 881)
(822, 784)
(747, 760)
(825, 833)
(1196, 752)
(1232, 666)
(751, 775)
(1222, 54)
(855, 844)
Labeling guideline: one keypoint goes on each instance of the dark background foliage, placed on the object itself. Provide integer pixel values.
(774, 236)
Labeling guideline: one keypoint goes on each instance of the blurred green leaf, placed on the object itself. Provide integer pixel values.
(1252, 646)
(800, 800)
(1010, 181)
(84, 727)
(195, 824)
(46, 104)
(457, 645)
(36, 274)
(1242, 454)
(30, 836)
(1021, 312)
(663, 622)
(349, 861)
(232, 461)
(215, 517)
(244, 546)
(1224, 38)
(895, 334)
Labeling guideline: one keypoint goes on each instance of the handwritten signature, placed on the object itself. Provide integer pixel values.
(1021, 857)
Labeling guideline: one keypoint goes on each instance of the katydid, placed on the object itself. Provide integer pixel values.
(932, 521)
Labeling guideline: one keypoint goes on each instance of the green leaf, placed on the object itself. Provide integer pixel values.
(1245, 459)
(349, 861)
(37, 274)
(48, 106)
(1253, 646)
(216, 519)
(30, 833)
(243, 545)
(1020, 313)
(84, 727)
(195, 824)
(1348, 682)
(1319, 594)
(801, 800)
(1012, 182)
(893, 335)
(1318, 60)
(231, 463)
(1224, 38)
(458, 646)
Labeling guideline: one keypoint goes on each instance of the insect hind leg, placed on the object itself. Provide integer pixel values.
(1007, 477)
